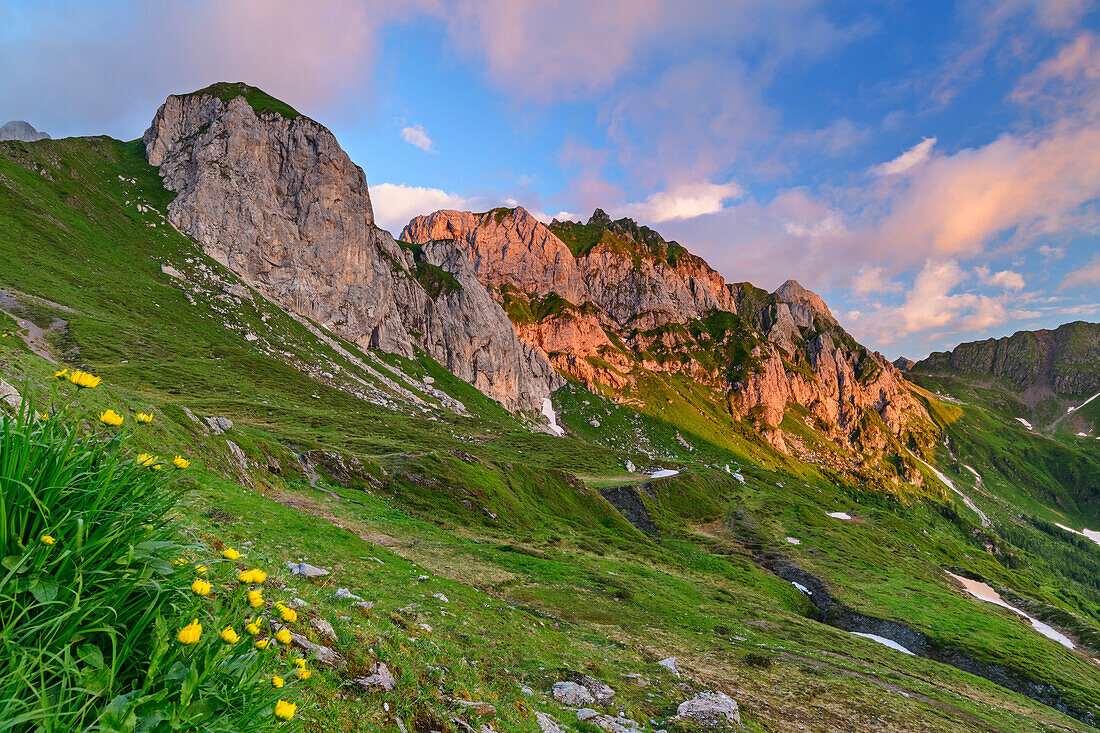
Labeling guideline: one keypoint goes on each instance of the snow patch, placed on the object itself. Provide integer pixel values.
(885, 642)
(1027, 424)
(551, 417)
(840, 515)
(793, 541)
(987, 594)
(1084, 532)
(1090, 399)
(802, 588)
(663, 473)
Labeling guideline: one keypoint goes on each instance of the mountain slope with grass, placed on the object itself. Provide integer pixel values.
(452, 565)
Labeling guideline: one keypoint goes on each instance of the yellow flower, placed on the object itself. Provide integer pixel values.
(230, 554)
(300, 662)
(283, 637)
(43, 416)
(252, 629)
(285, 710)
(303, 674)
(200, 569)
(179, 561)
(110, 417)
(181, 462)
(201, 587)
(262, 643)
(83, 379)
(255, 598)
(289, 615)
(156, 467)
(229, 636)
(276, 681)
(146, 460)
(190, 633)
(62, 374)
(47, 540)
(143, 417)
(245, 577)
(252, 577)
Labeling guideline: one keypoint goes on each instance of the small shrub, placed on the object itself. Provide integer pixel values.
(756, 659)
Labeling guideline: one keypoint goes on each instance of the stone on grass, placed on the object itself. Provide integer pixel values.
(572, 694)
(616, 724)
(364, 605)
(586, 713)
(547, 724)
(345, 593)
(9, 395)
(219, 424)
(324, 628)
(306, 570)
(441, 597)
(670, 665)
(599, 690)
(321, 654)
(381, 678)
(710, 710)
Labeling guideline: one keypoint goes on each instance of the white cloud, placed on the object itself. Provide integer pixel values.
(1052, 252)
(686, 201)
(416, 135)
(1005, 279)
(914, 156)
(395, 204)
(1088, 274)
(872, 281)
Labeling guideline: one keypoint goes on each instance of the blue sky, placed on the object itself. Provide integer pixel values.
(931, 168)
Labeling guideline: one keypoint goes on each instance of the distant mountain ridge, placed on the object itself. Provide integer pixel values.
(22, 131)
(1064, 361)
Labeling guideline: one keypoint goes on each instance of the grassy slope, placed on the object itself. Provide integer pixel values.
(542, 574)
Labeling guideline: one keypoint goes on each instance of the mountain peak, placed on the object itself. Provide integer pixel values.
(258, 99)
(794, 293)
(21, 130)
(599, 216)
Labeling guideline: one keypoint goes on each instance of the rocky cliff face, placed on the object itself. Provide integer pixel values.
(271, 194)
(22, 131)
(1064, 361)
(610, 301)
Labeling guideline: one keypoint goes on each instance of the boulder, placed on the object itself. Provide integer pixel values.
(381, 678)
(324, 628)
(572, 694)
(599, 690)
(321, 654)
(670, 665)
(306, 570)
(710, 710)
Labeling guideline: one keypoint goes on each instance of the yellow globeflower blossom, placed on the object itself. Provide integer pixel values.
(190, 633)
(229, 636)
(46, 539)
(276, 681)
(245, 577)
(230, 554)
(200, 569)
(201, 587)
(181, 462)
(283, 637)
(255, 598)
(143, 417)
(83, 379)
(156, 467)
(110, 417)
(61, 374)
(43, 416)
(285, 710)
(146, 460)
(303, 674)
(262, 643)
(300, 662)
(252, 629)
(288, 614)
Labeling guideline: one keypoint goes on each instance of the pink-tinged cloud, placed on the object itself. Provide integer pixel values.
(686, 201)
(1086, 276)
(911, 158)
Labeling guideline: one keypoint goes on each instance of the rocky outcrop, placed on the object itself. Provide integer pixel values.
(23, 131)
(1064, 361)
(276, 199)
(609, 300)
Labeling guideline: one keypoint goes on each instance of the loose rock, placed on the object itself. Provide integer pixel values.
(710, 710)
(572, 694)
(307, 570)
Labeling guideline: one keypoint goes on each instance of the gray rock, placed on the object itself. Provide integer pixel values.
(364, 605)
(547, 724)
(586, 713)
(9, 395)
(572, 694)
(219, 424)
(599, 690)
(482, 710)
(670, 665)
(321, 654)
(615, 724)
(172, 272)
(594, 422)
(20, 130)
(282, 205)
(297, 603)
(324, 628)
(710, 710)
(441, 597)
(345, 593)
(381, 679)
(306, 570)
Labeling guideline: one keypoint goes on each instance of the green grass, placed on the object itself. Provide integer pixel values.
(544, 576)
(259, 100)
